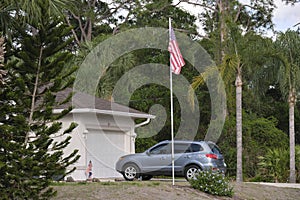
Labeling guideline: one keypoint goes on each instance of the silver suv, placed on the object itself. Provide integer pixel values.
(189, 156)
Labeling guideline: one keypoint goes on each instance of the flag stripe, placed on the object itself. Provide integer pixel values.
(176, 59)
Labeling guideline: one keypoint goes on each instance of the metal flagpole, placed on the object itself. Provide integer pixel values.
(171, 97)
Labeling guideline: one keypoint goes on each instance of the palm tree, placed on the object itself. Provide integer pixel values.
(288, 66)
(245, 54)
(223, 20)
(230, 67)
(32, 10)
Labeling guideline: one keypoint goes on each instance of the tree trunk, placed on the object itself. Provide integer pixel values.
(292, 101)
(239, 169)
(89, 31)
(223, 32)
(2, 52)
(34, 95)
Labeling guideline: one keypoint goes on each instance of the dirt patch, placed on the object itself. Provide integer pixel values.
(148, 190)
(259, 191)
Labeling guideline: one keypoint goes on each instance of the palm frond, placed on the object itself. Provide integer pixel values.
(288, 46)
(211, 74)
(197, 81)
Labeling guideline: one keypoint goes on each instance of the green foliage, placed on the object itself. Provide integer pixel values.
(274, 166)
(38, 57)
(288, 62)
(259, 135)
(156, 13)
(114, 73)
(37, 69)
(212, 183)
(144, 97)
(141, 144)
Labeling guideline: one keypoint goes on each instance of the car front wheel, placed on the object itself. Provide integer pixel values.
(191, 171)
(131, 172)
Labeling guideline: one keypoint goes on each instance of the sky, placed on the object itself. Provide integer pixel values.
(284, 16)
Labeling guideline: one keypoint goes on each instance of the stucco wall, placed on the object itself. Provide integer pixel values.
(90, 122)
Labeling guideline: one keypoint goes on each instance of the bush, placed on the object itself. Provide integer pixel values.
(212, 183)
(261, 134)
(274, 166)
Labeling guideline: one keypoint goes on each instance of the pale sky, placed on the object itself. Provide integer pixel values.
(284, 16)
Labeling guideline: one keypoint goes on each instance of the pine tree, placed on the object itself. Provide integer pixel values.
(37, 69)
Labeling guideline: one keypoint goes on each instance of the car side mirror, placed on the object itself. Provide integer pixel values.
(148, 153)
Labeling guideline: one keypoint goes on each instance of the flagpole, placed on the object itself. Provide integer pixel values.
(172, 122)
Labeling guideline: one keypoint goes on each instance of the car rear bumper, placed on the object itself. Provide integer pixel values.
(215, 168)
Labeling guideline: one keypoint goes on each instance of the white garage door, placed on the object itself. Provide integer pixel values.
(104, 149)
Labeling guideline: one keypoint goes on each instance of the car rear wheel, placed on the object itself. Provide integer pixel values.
(131, 172)
(191, 171)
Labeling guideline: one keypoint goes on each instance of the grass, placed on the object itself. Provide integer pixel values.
(107, 183)
(153, 184)
(148, 190)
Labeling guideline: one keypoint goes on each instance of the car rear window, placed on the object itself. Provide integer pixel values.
(214, 148)
(196, 147)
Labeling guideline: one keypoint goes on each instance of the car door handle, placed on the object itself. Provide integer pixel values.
(163, 158)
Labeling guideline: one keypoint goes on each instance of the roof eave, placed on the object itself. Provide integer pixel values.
(107, 112)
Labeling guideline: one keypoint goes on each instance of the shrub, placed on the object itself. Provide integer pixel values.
(261, 134)
(274, 166)
(212, 183)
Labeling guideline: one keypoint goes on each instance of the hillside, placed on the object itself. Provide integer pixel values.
(148, 190)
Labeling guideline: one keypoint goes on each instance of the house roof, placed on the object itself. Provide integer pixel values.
(85, 103)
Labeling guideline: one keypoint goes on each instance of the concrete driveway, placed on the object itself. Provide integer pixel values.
(283, 185)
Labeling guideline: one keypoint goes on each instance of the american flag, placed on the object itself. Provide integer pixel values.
(176, 60)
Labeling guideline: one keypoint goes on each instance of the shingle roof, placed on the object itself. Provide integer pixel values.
(85, 102)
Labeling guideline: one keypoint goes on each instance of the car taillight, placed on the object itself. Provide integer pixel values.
(211, 155)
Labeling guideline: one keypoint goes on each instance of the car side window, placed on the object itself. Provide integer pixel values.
(196, 147)
(161, 149)
(182, 148)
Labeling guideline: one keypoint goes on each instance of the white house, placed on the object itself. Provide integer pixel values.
(105, 132)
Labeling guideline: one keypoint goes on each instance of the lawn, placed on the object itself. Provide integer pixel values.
(148, 190)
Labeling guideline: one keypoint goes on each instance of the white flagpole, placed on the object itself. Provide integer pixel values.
(171, 97)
